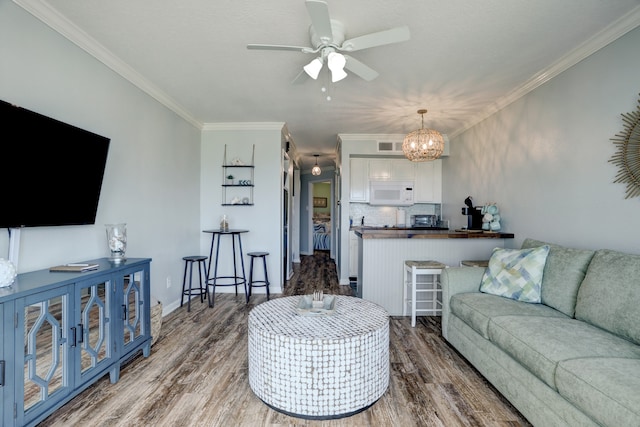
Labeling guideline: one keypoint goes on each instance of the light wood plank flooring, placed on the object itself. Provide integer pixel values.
(197, 375)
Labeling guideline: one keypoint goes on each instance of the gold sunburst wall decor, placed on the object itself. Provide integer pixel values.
(627, 158)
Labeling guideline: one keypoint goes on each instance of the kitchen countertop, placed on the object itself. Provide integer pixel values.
(413, 233)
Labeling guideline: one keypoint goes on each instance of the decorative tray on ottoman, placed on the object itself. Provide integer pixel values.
(307, 306)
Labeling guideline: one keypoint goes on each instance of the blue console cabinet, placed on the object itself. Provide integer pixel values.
(62, 331)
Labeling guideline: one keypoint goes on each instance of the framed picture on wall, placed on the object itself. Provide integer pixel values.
(319, 202)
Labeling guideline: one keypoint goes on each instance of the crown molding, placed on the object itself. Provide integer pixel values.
(244, 126)
(611, 33)
(47, 14)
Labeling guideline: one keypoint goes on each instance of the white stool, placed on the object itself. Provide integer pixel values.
(430, 301)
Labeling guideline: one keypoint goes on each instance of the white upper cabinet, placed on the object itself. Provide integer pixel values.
(426, 176)
(428, 182)
(391, 170)
(402, 170)
(358, 180)
(379, 169)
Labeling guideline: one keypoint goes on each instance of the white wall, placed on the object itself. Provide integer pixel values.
(152, 178)
(262, 220)
(544, 159)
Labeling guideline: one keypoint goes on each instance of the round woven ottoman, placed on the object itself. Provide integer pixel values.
(319, 367)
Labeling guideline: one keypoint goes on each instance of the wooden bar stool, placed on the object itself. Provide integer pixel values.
(252, 282)
(202, 272)
(422, 295)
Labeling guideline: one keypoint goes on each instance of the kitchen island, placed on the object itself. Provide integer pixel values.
(383, 251)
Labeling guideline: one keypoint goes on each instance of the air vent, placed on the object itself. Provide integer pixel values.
(389, 147)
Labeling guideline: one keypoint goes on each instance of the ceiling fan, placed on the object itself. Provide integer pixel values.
(328, 41)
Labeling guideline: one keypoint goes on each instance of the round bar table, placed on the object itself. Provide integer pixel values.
(319, 366)
(231, 280)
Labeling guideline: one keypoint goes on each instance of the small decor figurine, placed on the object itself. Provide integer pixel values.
(490, 217)
(117, 241)
(229, 179)
(237, 162)
(7, 273)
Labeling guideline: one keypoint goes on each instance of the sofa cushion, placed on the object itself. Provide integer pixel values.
(515, 273)
(607, 389)
(476, 309)
(540, 343)
(563, 273)
(609, 296)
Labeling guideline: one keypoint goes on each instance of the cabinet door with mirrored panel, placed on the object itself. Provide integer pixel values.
(6, 398)
(47, 375)
(94, 337)
(134, 303)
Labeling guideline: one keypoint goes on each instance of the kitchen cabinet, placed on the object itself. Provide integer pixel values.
(6, 381)
(427, 177)
(358, 180)
(428, 182)
(391, 170)
(62, 332)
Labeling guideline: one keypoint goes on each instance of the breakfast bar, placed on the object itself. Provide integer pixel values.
(382, 253)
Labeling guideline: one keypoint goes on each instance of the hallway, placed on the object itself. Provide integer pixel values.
(315, 272)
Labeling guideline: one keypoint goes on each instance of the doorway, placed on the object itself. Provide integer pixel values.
(322, 216)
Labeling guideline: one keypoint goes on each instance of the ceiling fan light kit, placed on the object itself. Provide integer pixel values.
(328, 37)
(313, 68)
(423, 144)
(336, 63)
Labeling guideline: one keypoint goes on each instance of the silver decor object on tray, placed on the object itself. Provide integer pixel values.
(317, 304)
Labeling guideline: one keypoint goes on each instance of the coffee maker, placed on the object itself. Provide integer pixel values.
(474, 215)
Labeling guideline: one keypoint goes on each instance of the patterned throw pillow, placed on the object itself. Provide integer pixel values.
(515, 273)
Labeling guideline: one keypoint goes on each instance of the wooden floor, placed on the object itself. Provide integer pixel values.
(196, 374)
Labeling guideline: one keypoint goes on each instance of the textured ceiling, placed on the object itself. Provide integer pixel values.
(465, 59)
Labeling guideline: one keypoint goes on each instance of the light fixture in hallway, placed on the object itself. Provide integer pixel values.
(316, 169)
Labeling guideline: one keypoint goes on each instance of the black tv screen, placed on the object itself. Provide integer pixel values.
(51, 172)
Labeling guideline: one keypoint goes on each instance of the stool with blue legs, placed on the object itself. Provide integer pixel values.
(202, 272)
(252, 282)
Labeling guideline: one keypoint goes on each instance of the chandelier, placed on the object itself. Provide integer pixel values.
(423, 144)
(316, 169)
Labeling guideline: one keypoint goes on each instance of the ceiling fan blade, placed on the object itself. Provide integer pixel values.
(300, 78)
(279, 47)
(320, 20)
(394, 35)
(359, 69)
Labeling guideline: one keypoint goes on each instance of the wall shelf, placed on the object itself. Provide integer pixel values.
(237, 191)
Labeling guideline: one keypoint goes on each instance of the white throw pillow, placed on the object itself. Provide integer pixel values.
(515, 273)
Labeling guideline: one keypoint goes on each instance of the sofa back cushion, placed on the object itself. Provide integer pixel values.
(563, 273)
(609, 296)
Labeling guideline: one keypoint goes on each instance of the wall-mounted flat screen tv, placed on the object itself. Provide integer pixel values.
(51, 172)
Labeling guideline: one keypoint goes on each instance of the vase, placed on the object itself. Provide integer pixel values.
(117, 241)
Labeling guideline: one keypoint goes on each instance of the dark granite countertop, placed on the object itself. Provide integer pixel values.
(413, 233)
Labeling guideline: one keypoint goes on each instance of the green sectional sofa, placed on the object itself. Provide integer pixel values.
(571, 360)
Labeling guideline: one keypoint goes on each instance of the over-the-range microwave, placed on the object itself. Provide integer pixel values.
(391, 193)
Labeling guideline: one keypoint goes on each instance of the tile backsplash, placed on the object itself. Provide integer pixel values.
(386, 215)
